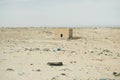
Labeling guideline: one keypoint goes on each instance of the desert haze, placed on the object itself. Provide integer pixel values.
(92, 54)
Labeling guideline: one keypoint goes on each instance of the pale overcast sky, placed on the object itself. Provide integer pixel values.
(59, 13)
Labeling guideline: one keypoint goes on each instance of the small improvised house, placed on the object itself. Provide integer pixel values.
(63, 33)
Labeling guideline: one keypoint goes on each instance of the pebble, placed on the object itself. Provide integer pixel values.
(63, 74)
(10, 69)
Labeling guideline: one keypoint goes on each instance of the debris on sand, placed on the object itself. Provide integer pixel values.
(46, 49)
(38, 70)
(107, 52)
(63, 74)
(55, 63)
(59, 49)
(85, 52)
(28, 49)
(53, 78)
(73, 62)
(37, 49)
(32, 49)
(116, 74)
(31, 64)
(10, 69)
(73, 52)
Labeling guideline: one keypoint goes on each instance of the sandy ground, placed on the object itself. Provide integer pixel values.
(94, 55)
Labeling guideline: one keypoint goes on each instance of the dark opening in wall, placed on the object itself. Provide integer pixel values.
(61, 35)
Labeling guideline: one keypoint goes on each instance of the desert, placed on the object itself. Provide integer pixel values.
(92, 54)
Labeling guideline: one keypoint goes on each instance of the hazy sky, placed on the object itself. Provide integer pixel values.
(62, 13)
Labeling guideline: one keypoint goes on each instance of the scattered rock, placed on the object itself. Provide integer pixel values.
(106, 50)
(31, 64)
(37, 49)
(53, 78)
(106, 37)
(106, 54)
(73, 52)
(101, 52)
(38, 70)
(73, 62)
(85, 52)
(63, 74)
(27, 49)
(116, 74)
(46, 49)
(91, 51)
(32, 49)
(10, 69)
(55, 63)
(59, 49)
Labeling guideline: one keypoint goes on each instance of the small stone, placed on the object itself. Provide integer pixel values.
(106, 54)
(55, 63)
(73, 52)
(116, 74)
(71, 62)
(74, 61)
(53, 78)
(9, 69)
(92, 51)
(37, 48)
(31, 64)
(63, 74)
(46, 49)
(85, 52)
(58, 49)
(38, 70)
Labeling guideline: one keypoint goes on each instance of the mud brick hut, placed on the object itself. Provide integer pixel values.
(63, 33)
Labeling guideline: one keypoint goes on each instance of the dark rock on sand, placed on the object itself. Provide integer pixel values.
(63, 74)
(116, 74)
(55, 63)
(10, 69)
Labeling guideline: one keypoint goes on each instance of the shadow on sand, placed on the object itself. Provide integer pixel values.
(75, 38)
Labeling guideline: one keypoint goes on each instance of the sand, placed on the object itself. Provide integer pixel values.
(93, 55)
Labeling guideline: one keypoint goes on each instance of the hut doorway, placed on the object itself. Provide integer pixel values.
(61, 35)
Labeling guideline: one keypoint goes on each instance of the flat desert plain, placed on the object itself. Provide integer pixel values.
(92, 54)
